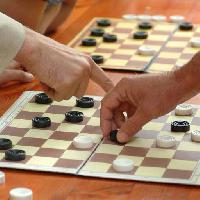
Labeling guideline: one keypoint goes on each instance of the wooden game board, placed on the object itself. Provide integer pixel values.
(51, 149)
(123, 54)
(177, 51)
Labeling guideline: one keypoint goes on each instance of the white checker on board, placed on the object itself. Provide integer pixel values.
(165, 141)
(123, 165)
(183, 110)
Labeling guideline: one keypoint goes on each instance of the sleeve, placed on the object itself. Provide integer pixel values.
(12, 35)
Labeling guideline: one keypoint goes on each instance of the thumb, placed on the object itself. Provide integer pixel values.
(132, 126)
(15, 75)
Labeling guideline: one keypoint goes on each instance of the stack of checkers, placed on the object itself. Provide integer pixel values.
(82, 142)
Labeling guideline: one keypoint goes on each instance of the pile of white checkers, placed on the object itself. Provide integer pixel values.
(162, 141)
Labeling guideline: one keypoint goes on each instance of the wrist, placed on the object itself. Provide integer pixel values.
(187, 78)
(28, 51)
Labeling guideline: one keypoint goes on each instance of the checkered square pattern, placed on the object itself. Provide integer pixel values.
(178, 163)
(123, 54)
(177, 51)
(52, 147)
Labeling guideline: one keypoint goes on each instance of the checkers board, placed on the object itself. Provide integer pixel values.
(123, 54)
(172, 46)
(51, 149)
(177, 51)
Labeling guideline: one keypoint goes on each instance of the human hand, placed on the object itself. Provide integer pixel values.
(63, 71)
(14, 72)
(143, 98)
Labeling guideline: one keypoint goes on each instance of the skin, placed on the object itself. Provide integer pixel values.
(15, 72)
(146, 97)
(63, 71)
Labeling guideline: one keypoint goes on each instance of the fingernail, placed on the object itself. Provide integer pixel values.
(29, 76)
(122, 137)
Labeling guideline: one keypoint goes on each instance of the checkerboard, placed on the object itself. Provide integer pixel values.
(180, 164)
(177, 51)
(123, 54)
(51, 149)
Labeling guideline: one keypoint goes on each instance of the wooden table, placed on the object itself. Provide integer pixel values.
(48, 186)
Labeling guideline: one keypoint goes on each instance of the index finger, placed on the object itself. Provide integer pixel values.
(99, 76)
(109, 104)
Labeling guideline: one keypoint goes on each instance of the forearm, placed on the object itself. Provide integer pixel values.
(188, 78)
(11, 39)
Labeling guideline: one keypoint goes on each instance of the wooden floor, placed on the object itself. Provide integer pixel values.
(48, 186)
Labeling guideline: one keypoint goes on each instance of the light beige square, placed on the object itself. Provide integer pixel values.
(28, 149)
(57, 118)
(140, 142)
(116, 62)
(56, 144)
(75, 155)
(182, 164)
(42, 161)
(21, 123)
(67, 127)
(94, 121)
(33, 107)
(109, 148)
(160, 153)
(37, 133)
(96, 167)
(71, 102)
(150, 171)
(156, 126)
(189, 146)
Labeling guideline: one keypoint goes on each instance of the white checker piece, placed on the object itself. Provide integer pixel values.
(2, 177)
(83, 142)
(195, 42)
(123, 165)
(195, 136)
(129, 17)
(146, 50)
(177, 18)
(165, 141)
(183, 110)
(159, 18)
(21, 194)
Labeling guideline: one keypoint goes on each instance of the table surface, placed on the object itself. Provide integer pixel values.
(49, 186)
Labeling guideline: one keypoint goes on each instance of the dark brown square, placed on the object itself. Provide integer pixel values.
(67, 163)
(55, 109)
(104, 158)
(134, 151)
(187, 155)
(28, 115)
(91, 129)
(12, 131)
(180, 174)
(28, 141)
(67, 136)
(48, 152)
(155, 162)
(53, 127)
